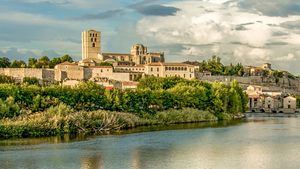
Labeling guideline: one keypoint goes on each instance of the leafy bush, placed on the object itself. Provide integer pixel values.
(186, 115)
(8, 108)
(6, 79)
(31, 80)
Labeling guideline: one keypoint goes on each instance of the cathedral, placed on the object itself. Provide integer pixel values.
(92, 53)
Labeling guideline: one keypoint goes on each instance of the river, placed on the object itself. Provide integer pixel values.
(258, 143)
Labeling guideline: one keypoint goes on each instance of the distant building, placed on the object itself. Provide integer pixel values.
(138, 55)
(170, 70)
(257, 71)
(262, 99)
(91, 45)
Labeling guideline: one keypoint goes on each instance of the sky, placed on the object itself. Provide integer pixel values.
(248, 31)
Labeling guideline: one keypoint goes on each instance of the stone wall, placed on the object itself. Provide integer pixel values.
(288, 85)
(20, 73)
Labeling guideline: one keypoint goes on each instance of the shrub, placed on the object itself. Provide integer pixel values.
(8, 108)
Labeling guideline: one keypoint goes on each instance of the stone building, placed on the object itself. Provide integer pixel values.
(262, 99)
(92, 52)
(257, 71)
(289, 104)
(138, 55)
(170, 69)
(91, 45)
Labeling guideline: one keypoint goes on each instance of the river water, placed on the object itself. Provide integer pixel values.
(258, 143)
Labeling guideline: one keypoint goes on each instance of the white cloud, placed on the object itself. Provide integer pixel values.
(241, 35)
(289, 57)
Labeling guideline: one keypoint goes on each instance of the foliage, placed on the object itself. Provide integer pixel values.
(186, 115)
(31, 80)
(216, 67)
(104, 64)
(42, 62)
(18, 64)
(6, 79)
(4, 62)
(190, 100)
(8, 108)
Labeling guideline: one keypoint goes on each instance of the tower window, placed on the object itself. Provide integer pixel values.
(93, 35)
(90, 35)
(91, 39)
(94, 45)
(96, 34)
(95, 39)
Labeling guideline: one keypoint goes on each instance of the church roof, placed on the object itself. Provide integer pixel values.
(67, 63)
(119, 54)
(168, 64)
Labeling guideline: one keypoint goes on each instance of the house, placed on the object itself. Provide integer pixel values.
(263, 99)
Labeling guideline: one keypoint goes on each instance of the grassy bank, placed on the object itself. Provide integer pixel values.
(31, 110)
(62, 119)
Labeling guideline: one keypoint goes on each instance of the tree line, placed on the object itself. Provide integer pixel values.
(42, 62)
(152, 95)
(216, 67)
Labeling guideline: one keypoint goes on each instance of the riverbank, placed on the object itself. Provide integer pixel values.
(250, 114)
(61, 120)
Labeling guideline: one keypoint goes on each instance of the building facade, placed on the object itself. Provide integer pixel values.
(91, 45)
(264, 100)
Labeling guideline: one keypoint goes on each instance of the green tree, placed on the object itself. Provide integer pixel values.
(55, 61)
(32, 62)
(4, 62)
(18, 64)
(43, 62)
(66, 58)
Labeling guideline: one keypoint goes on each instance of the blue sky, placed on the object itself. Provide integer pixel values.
(247, 31)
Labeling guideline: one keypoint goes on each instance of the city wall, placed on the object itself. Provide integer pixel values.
(20, 73)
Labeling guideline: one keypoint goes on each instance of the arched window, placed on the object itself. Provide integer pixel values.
(91, 39)
(93, 35)
(96, 34)
(94, 45)
(90, 35)
(95, 39)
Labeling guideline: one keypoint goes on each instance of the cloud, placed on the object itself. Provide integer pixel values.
(289, 57)
(291, 24)
(102, 15)
(230, 31)
(157, 10)
(283, 8)
(55, 2)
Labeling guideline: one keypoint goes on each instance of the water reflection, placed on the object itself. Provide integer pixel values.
(92, 162)
(260, 143)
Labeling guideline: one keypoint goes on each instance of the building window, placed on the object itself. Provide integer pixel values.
(151, 69)
(93, 35)
(96, 34)
(157, 69)
(94, 45)
(184, 75)
(289, 106)
(190, 75)
(91, 39)
(90, 35)
(157, 75)
(95, 39)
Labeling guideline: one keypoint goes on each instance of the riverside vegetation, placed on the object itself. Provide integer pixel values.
(32, 110)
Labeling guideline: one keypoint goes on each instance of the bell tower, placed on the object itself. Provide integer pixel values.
(91, 44)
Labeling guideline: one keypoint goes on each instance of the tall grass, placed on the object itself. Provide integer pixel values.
(62, 119)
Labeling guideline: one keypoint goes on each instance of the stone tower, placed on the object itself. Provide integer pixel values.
(91, 44)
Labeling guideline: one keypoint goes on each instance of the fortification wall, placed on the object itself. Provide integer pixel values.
(289, 85)
(20, 73)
